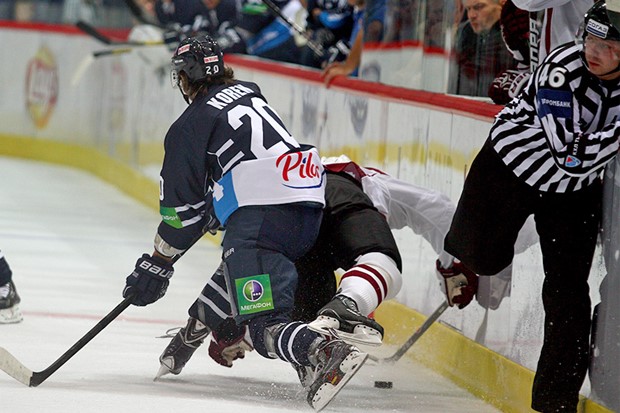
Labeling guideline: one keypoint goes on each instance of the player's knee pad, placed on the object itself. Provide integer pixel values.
(386, 272)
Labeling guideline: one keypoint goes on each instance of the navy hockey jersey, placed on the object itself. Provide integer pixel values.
(230, 149)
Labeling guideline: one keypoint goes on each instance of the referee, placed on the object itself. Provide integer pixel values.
(544, 156)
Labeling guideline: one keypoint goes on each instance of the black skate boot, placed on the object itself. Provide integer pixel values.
(9, 304)
(182, 347)
(336, 362)
(340, 318)
(305, 374)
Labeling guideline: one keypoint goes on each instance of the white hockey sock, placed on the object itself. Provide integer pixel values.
(374, 279)
(360, 291)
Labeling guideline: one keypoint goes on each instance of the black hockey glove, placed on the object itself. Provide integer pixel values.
(459, 283)
(336, 53)
(324, 37)
(149, 280)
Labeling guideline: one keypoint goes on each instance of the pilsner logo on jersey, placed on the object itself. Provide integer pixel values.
(298, 165)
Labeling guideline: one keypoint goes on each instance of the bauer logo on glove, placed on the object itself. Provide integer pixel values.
(458, 283)
(149, 280)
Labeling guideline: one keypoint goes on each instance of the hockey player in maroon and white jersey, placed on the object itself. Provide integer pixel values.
(551, 23)
(230, 162)
(558, 25)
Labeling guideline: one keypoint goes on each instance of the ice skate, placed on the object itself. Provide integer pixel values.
(9, 304)
(182, 347)
(305, 374)
(336, 362)
(340, 318)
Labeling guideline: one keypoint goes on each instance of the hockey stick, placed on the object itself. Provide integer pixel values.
(139, 14)
(317, 49)
(10, 365)
(414, 337)
(96, 34)
(14, 368)
(90, 58)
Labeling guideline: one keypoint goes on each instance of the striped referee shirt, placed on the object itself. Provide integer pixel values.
(563, 128)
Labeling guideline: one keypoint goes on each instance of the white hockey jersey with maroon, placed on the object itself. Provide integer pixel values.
(428, 213)
(560, 22)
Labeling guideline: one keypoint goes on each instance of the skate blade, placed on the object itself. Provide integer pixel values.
(362, 334)
(349, 366)
(11, 315)
(163, 370)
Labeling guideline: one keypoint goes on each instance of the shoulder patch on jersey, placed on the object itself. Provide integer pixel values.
(552, 75)
(557, 103)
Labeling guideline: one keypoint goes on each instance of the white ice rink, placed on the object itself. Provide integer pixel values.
(71, 240)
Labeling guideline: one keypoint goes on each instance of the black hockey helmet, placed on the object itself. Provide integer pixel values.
(199, 58)
(613, 12)
(597, 22)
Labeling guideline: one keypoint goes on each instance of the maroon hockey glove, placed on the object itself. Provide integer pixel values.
(226, 348)
(458, 282)
(515, 26)
(508, 85)
(149, 280)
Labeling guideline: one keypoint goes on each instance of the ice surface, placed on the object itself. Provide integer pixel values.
(71, 240)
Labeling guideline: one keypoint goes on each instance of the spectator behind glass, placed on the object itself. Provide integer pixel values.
(374, 18)
(182, 12)
(402, 20)
(350, 64)
(257, 32)
(327, 22)
(7, 10)
(219, 16)
(480, 50)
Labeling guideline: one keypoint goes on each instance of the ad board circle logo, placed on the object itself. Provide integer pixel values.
(41, 86)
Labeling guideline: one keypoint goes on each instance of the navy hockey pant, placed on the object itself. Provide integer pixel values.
(261, 244)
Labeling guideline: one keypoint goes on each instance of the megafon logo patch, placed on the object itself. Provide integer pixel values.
(41, 87)
(254, 294)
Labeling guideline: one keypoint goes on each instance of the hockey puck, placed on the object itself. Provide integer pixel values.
(383, 384)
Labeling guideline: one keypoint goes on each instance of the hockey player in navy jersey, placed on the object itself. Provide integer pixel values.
(363, 205)
(258, 32)
(9, 299)
(544, 157)
(230, 162)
